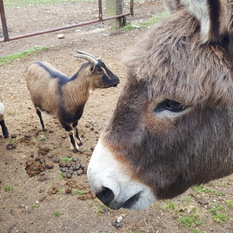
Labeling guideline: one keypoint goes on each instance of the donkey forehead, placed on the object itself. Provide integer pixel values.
(183, 70)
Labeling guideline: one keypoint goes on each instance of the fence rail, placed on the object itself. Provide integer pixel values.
(100, 18)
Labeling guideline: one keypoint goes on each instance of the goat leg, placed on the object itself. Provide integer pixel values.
(75, 130)
(73, 145)
(4, 129)
(68, 128)
(40, 117)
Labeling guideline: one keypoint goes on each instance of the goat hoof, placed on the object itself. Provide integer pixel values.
(75, 150)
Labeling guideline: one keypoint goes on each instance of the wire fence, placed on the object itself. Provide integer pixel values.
(26, 3)
(25, 18)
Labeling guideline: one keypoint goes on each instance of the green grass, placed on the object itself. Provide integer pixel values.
(62, 174)
(57, 213)
(144, 24)
(100, 208)
(12, 57)
(192, 220)
(196, 230)
(186, 199)
(202, 189)
(170, 205)
(80, 192)
(42, 138)
(8, 188)
(66, 159)
(11, 140)
(229, 203)
(218, 216)
(35, 205)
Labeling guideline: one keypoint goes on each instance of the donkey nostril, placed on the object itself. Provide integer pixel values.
(106, 195)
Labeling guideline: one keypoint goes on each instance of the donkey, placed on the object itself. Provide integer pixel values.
(173, 124)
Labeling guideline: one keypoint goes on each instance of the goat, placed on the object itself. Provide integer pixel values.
(2, 121)
(57, 94)
(173, 123)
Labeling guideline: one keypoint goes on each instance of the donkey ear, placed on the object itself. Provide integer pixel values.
(214, 16)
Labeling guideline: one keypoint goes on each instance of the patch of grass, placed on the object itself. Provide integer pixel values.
(218, 193)
(100, 208)
(224, 183)
(192, 220)
(12, 57)
(62, 174)
(186, 199)
(229, 203)
(8, 188)
(57, 213)
(42, 138)
(36, 205)
(11, 140)
(80, 192)
(144, 24)
(217, 216)
(196, 230)
(170, 205)
(202, 189)
(66, 159)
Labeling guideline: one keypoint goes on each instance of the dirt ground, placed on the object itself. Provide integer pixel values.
(49, 203)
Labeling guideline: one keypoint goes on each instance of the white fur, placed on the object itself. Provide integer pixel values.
(172, 115)
(1, 108)
(105, 171)
(75, 139)
(199, 8)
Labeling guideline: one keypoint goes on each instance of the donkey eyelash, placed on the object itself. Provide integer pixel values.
(170, 105)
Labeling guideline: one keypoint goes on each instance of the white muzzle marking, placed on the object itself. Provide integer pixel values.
(104, 171)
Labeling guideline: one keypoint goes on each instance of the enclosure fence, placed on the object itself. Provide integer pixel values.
(80, 11)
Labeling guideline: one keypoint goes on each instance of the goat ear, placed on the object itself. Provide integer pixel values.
(93, 68)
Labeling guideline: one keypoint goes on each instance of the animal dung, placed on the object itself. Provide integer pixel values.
(71, 168)
(68, 166)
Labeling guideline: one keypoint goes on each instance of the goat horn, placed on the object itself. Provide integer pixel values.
(85, 57)
(85, 53)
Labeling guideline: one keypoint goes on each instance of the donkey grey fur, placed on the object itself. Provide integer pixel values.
(165, 148)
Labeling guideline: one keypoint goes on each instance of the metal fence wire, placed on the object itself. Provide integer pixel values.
(15, 15)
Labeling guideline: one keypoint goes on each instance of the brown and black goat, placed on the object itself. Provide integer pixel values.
(57, 94)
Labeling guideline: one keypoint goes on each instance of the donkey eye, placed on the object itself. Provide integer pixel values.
(170, 105)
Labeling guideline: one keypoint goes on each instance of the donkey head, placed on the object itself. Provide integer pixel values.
(173, 123)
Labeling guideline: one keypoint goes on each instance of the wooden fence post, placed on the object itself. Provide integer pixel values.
(3, 19)
(115, 7)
